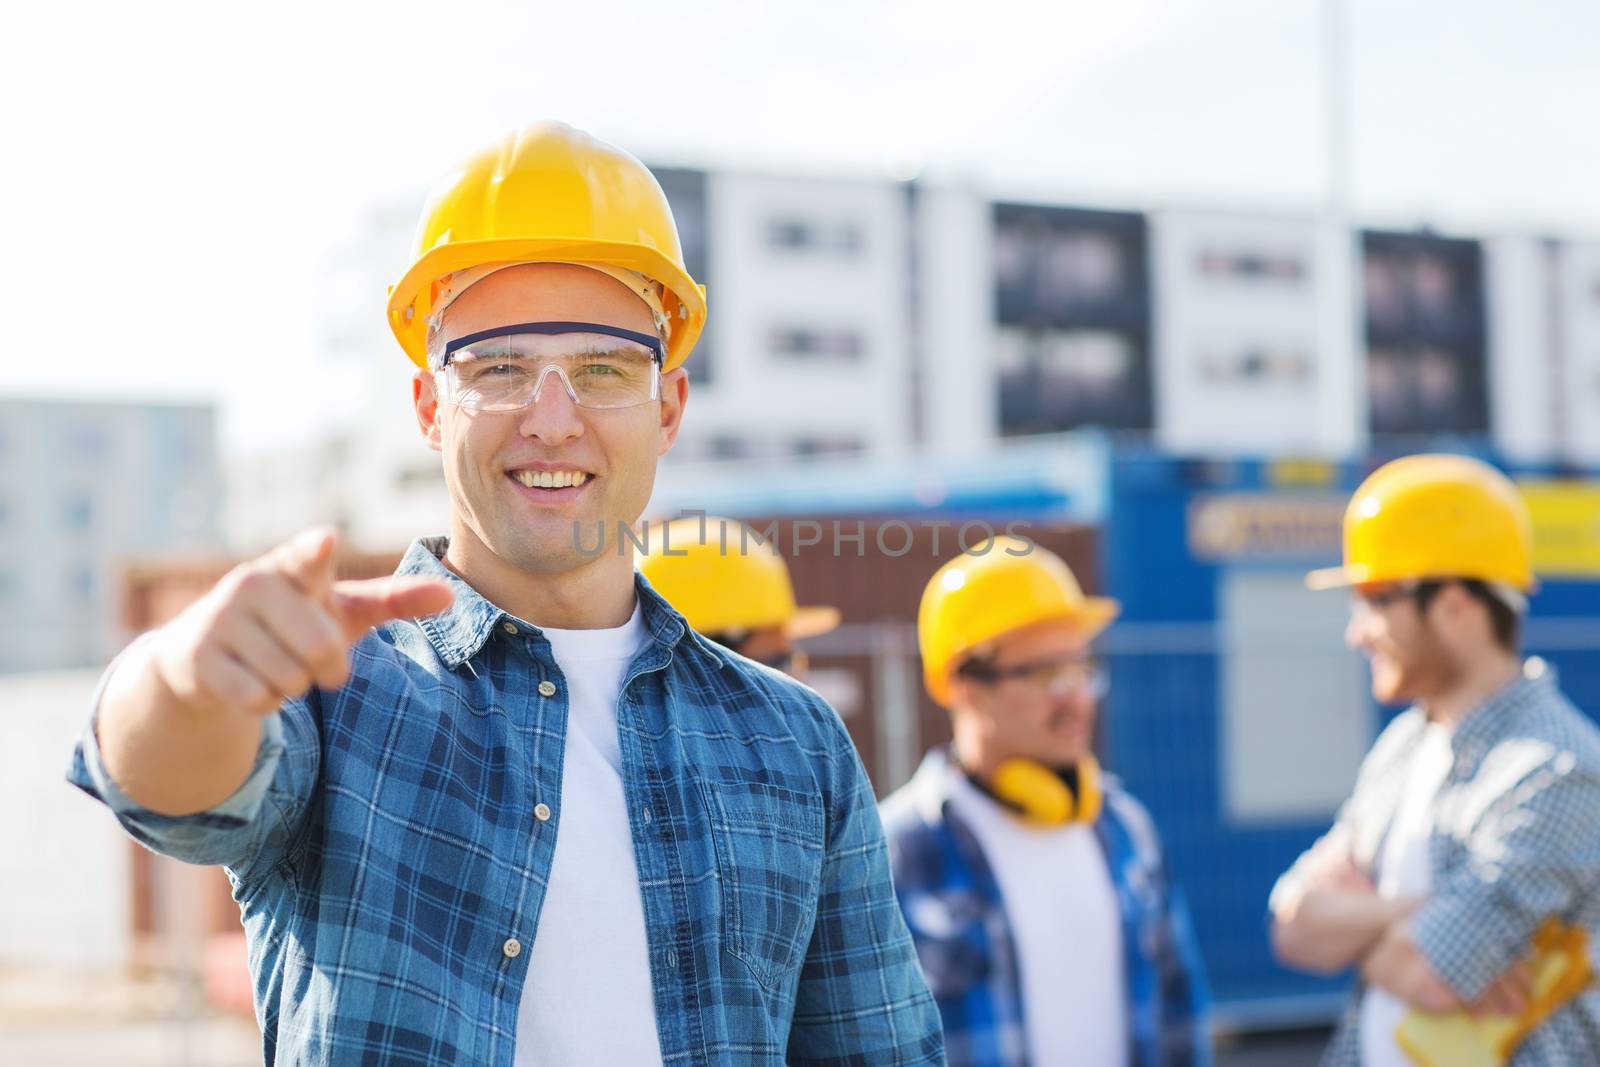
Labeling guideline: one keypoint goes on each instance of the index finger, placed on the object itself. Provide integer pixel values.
(360, 605)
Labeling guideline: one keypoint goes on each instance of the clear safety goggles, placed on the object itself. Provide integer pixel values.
(505, 369)
(1062, 677)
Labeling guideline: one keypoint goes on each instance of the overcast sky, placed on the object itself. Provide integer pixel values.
(175, 175)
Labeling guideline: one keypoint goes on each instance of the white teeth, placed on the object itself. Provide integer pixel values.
(550, 479)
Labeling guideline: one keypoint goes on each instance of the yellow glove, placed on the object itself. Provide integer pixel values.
(1559, 961)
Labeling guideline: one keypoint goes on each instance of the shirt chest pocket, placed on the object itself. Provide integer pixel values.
(769, 843)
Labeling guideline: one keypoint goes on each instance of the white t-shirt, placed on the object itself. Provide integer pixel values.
(588, 997)
(1404, 870)
(1066, 926)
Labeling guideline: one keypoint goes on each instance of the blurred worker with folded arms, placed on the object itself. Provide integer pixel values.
(1473, 822)
(733, 588)
(1034, 885)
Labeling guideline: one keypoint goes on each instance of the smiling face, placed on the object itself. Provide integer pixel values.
(1406, 647)
(529, 487)
(1026, 717)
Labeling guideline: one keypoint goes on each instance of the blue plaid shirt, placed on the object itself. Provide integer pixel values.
(1513, 842)
(953, 904)
(390, 868)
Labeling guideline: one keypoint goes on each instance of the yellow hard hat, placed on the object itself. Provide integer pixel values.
(722, 577)
(1001, 585)
(1434, 516)
(548, 193)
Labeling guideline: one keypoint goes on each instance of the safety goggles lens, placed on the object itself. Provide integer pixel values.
(508, 372)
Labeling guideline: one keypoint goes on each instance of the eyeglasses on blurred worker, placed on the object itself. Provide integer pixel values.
(1033, 883)
(1473, 820)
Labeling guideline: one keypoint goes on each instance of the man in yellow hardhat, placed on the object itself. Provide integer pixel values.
(1473, 818)
(733, 588)
(532, 817)
(1033, 884)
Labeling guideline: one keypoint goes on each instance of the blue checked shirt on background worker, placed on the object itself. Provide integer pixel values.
(1033, 884)
(1472, 827)
(531, 817)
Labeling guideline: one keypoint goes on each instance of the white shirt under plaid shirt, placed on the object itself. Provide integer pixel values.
(1515, 839)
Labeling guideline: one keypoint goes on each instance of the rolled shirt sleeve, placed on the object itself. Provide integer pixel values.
(1534, 853)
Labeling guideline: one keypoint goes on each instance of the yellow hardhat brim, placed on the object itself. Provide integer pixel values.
(1338, 577)
(1097, 613)
(414, 291)
(812, 621)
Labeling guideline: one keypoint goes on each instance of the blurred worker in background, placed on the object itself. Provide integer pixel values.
(1033, 884)
(1473, 820)
(733, 588)
(546, 823)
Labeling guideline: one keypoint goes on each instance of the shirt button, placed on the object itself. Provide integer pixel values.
(672, 960)
(647, 815)
(510, 628)
(541, 812)
(512, 948)
(547, 688)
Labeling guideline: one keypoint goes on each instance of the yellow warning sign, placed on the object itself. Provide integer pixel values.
(1566, 527)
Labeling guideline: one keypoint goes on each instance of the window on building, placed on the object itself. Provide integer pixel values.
(1251, 266)
(81, 582)
(77, 511)
(730, 446)
(419, 476)
(822, 446)
(1426, 335)
(1255, 365)
(1420, 389)
(791, 233)
(1053, 380)
(1072, 297)
(1069, 267)
(88, 443)
(812, 342)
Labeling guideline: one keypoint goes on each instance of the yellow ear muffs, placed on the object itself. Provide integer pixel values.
(1047, 797)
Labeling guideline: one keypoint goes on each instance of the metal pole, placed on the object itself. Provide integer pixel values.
(894, 699)
(1341, 366)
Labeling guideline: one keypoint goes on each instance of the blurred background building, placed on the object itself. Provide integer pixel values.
(85, 488)
(881, 320)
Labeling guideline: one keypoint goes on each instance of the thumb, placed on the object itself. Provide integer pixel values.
(361, 605)
(307, 558)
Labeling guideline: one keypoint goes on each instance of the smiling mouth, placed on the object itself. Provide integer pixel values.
(549, 479)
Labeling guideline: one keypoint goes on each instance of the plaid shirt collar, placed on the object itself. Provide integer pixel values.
(460, 632)
(1484, 726)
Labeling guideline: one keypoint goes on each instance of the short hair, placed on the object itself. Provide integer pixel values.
(1505, 622)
